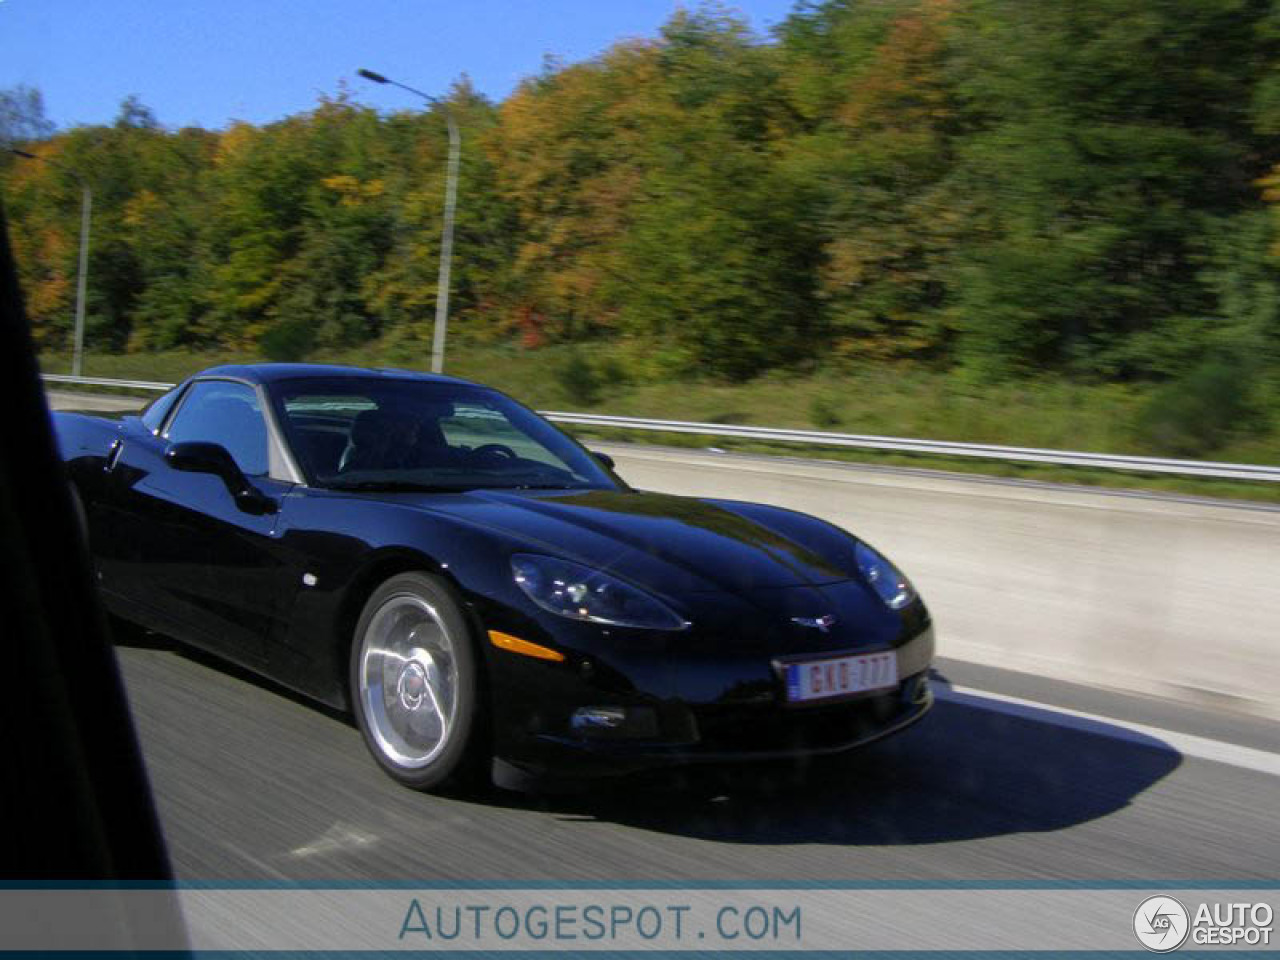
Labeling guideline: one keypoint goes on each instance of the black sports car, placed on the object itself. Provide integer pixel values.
(482, 592)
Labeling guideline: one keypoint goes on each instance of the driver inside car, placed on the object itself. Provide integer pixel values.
(381, 440)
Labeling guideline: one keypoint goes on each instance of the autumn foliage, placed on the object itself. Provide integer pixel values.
(998, 186)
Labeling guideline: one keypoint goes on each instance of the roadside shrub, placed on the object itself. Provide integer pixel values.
(287, 341)
(1198, 412)
(579, 380)
(823, 412)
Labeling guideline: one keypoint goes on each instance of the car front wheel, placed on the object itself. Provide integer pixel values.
(414, 682)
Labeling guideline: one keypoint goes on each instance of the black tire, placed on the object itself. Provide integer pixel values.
(412, 633)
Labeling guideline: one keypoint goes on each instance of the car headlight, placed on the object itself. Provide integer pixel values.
(885, 579)
(580, 593)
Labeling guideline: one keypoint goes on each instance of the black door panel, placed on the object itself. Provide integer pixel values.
(185, 545)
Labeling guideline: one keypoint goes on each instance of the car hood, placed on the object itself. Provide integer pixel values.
(677, 545)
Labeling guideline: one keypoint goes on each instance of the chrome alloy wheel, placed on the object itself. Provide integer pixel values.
(408, 678)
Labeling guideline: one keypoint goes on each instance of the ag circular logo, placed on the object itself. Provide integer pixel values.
(1161, 923)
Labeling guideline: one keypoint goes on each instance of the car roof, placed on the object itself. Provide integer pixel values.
(263, 373)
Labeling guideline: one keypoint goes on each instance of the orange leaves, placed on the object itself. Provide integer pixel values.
(140, 209)
(1270, 185)
(567, 153)
(354, 192)
(234, 143)
(902, 86)
(46, 260)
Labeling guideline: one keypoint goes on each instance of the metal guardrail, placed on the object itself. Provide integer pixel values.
(947, 448)
(104, 382)
(1066, 458)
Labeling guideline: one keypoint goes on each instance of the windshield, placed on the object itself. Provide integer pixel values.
(389, 434)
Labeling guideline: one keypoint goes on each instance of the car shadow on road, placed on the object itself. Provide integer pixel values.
(973, 768)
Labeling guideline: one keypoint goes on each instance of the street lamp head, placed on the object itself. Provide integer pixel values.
(370, 75)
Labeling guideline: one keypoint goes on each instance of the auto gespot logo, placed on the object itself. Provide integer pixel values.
(1162, 924)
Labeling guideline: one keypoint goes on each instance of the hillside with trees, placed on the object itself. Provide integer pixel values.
(993, 190)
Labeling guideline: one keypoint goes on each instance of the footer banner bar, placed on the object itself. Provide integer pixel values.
(574, 920)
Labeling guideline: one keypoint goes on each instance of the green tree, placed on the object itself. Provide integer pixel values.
(718, 265)
(1100, 136)
(403, 290)
(874, 147)
(567, 154)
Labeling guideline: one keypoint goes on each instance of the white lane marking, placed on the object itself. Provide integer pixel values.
(1185, 743)
(336, 839)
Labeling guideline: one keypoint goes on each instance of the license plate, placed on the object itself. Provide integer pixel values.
(838, 677)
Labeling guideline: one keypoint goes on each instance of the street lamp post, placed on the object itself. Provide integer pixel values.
(82, 281)
(450, 205)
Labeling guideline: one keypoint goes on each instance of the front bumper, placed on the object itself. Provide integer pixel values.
(722, 729)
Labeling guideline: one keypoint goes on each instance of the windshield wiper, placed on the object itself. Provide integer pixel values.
(397, 486)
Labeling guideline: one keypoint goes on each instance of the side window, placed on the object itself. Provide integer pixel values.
(154, 415)
(218, 411)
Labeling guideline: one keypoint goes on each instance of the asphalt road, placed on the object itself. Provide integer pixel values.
(253, 784)
(91, 402)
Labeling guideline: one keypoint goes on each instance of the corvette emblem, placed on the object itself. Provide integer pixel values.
(823, 623)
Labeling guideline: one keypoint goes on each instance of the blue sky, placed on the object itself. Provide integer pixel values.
(208, 62)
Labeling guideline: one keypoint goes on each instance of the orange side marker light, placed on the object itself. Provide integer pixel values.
(505, 641)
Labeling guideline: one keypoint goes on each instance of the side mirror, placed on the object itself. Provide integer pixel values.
(191, 456)
(603, 458)
(194, 457)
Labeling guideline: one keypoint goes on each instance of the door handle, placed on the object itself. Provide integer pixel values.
(113, 454)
